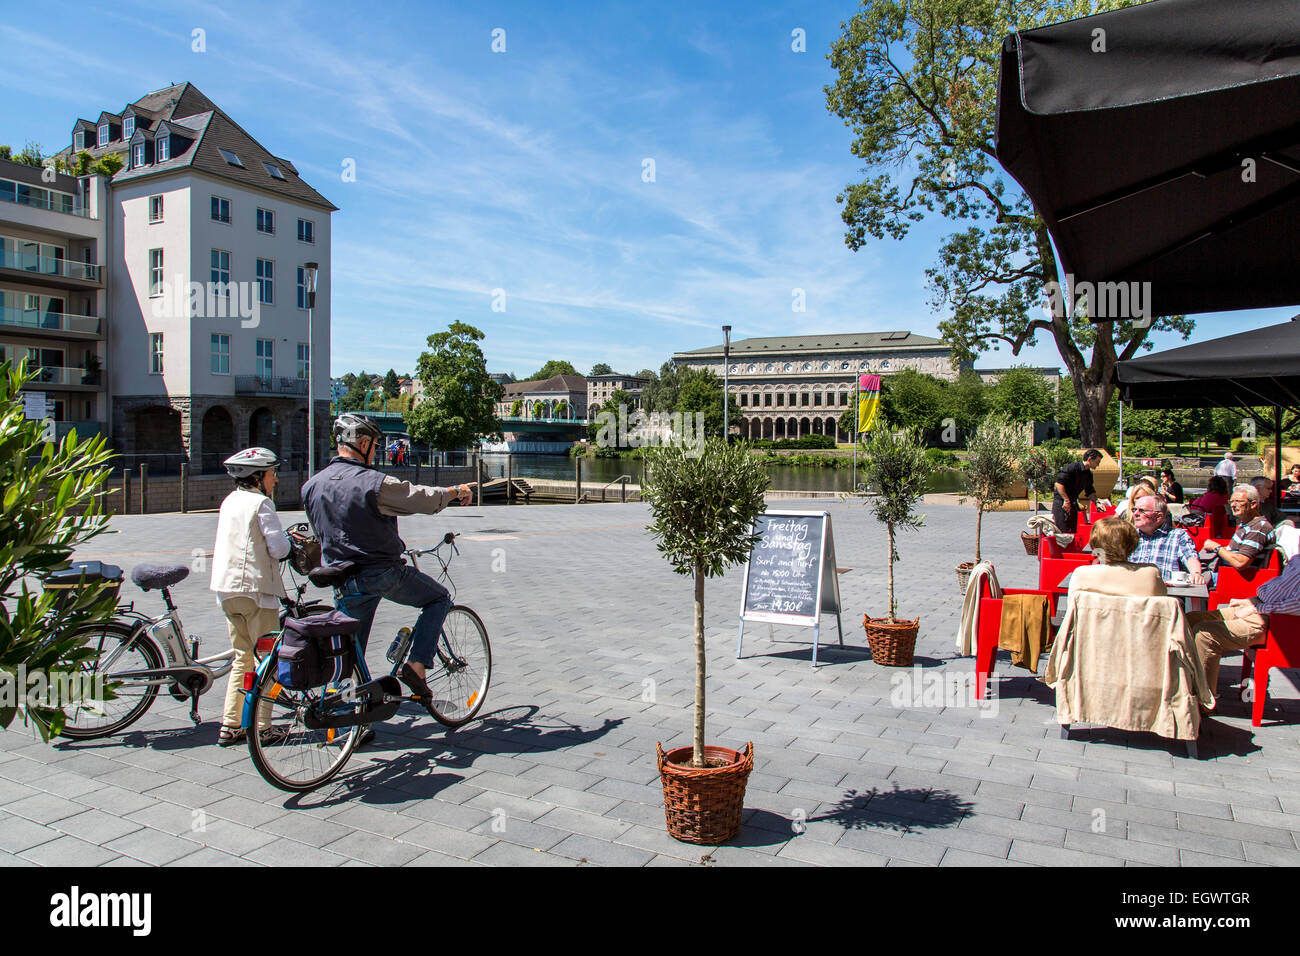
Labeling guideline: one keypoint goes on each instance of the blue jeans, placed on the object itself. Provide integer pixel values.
(402, 584)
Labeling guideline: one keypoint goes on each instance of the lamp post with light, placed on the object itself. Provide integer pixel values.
(309, 277)
(726, 394)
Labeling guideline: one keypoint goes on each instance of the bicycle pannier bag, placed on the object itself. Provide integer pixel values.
(316, 650)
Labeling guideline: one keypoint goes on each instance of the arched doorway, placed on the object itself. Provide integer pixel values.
(262, 430)
(218, 439)
(156, 430)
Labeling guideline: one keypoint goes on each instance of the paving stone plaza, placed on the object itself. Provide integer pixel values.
(593, 664)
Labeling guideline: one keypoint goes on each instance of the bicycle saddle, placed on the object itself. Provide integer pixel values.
(150, 576)
(331, 575)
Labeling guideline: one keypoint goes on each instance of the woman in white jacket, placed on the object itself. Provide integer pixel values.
(245, 570)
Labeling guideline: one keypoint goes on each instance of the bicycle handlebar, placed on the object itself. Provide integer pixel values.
(449, 538)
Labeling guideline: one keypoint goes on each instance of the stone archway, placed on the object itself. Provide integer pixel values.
(218, 439)
(263, 431)
(156, 437)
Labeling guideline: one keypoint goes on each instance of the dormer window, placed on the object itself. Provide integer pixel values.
(273, 170)
(79, 140)
(230, 157)
(162, 149)
(103, 134)
(128, 127)
(137, 155)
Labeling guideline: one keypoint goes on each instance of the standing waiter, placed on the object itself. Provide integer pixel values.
(1075, 479)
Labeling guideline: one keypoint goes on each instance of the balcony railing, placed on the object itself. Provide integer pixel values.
(50, 321)
(48, 265)
(84, 429)
(257, 385)
(39, 197)
(58, 375)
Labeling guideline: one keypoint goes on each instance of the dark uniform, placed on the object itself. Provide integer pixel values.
(1076, 478)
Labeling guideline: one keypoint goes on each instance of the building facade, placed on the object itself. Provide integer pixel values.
(561, 396)
(601, 388)
(208, 349)
(795, 385)
(53, 298)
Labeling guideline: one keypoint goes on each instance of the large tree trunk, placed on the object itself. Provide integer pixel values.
(697, 758)
(1093, 398)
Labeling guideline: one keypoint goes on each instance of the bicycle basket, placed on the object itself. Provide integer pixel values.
(316, 650)
(304, 555)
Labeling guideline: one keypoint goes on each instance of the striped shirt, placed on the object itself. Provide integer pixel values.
(1167, 550)
(1282, 594)
(1255, 540)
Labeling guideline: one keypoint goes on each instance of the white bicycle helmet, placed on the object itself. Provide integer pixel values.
(252, 461)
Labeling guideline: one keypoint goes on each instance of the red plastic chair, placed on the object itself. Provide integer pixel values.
(1052, 570)
(1281, 649)
(1048, 548)
(1096, 514)
(986, 645)
(1233, 583)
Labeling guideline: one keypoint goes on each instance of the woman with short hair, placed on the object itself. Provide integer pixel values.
(1113, 540)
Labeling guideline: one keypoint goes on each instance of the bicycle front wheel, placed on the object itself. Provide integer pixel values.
(116, 653)
(286, 752)
(462, 670)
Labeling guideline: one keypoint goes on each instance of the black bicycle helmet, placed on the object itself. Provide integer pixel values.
(350, 426)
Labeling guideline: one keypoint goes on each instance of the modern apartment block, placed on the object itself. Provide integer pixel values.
(209, 236)
(53, 230)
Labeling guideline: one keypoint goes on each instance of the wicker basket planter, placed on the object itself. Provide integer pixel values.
(892, 643)
(1030, 541)
(704, 804)
(963, 575)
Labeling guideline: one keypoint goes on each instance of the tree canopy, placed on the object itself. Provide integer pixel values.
(1022, 395)
(600, 368)
(459, 397)
(551, 369)
(917, 82)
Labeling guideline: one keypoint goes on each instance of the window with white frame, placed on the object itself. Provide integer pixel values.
(155, 272)
(220, 209)
(128, 127)
(219, 276)
(155, 353)
(103, 134)
(303, 360)
(265, 281)
(162, 149)
(265, 359)
(306, 231)
(137, 156)
(155, 208)
(302, 288)
(266, 221)
(79, 140)
(220, 353)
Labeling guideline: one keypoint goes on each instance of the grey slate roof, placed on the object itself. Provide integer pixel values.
(848, 340)
(184, 107)
(557, 383)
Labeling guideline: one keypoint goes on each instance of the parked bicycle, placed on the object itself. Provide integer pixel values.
(305, 737)
(137, 655)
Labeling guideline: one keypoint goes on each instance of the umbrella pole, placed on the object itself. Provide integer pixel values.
(1277, 456)
(1122, 482)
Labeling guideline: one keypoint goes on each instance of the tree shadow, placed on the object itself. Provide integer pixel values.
(903, 810)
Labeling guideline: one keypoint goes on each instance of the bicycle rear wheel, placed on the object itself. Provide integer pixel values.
(116, 654)
(289, 754)
(462, 670)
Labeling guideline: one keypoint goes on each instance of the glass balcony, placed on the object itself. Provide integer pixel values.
(49, 321)
(259, 385)
(48, 265)
(41, 198)
(48, 375)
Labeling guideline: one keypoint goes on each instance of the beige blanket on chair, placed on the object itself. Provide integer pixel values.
(1129, 663)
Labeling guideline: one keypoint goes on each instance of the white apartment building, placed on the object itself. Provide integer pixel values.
(210, 234)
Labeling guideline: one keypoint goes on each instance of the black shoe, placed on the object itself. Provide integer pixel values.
(414, 681)
(367, 735)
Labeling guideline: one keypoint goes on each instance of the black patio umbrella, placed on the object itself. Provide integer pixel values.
(1161, 144)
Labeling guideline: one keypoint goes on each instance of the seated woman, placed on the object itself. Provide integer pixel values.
(1140, 489)
(1113, 540)
(1215, 499)
(1291, 484)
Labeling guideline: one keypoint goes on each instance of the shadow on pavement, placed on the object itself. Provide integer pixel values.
(904, 810)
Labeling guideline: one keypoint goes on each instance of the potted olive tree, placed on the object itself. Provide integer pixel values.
(703, 507)
(993, 454)
(896, 467)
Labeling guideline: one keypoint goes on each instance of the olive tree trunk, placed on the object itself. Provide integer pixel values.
(979, 519)
(890, 527)
(697, 758)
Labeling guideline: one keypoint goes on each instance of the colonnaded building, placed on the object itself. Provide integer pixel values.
(788, 386)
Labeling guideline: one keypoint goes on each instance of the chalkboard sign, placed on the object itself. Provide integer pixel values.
(790, 577)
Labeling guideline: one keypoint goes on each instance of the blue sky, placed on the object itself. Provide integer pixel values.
(523, 171)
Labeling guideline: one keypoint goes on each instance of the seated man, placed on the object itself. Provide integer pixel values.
(1254, 539)
(1169, 549)
(1112, 540)
(1264, 485)
(1238, 625)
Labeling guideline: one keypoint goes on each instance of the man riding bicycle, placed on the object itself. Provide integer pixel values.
(354, 510)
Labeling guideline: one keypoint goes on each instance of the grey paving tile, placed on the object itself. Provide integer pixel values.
(600, 852)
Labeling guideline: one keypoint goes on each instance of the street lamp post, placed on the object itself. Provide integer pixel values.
(726, 394)
(309, 275)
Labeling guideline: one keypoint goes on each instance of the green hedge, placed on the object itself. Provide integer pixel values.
(807, 441)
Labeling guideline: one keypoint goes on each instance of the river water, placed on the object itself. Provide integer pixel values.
(598, 471)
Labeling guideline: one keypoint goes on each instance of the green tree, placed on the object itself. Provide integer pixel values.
(354, 399)
(551, 369)
(392, 384)
(918, 84)
(993, 456)
(6, 152)
(517, 408)
(897, 467)
(109, 165)
(703, 508)
(968, 400)
(912, 399)
(459, 396)
(703, 393)
(50, 508)
(600, 368)
(1022, 395)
